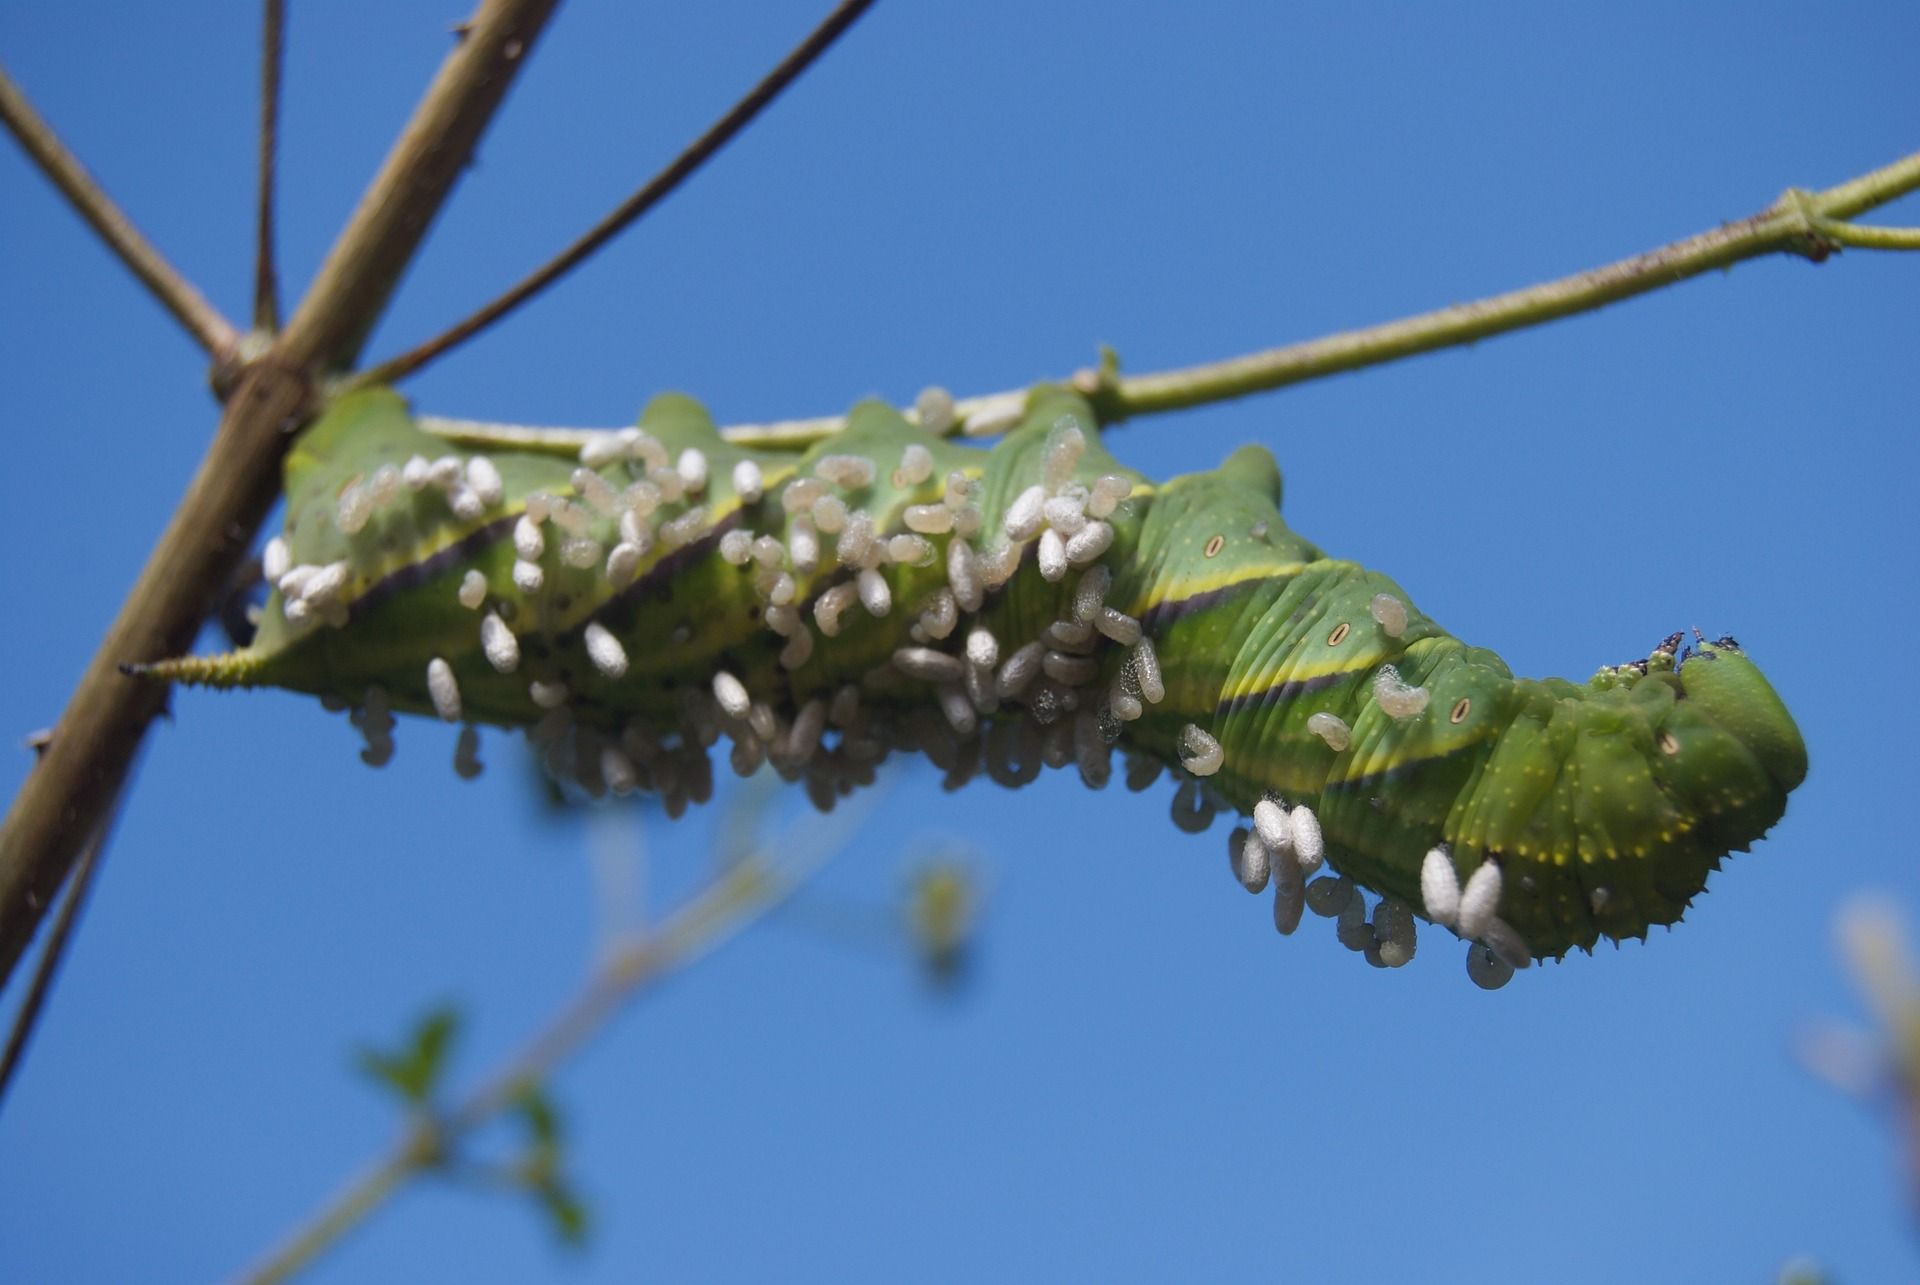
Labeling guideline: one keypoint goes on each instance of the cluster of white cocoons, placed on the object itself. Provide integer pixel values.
(1282, 847)
(1494, 949)
(1287, 847)
(310, 593)
(315, 594)
(827, 531)
(827, 556)
(820, 560)
(471, 486)
(829, 562)
(1068, 520)
(835, 560)
(604, 526)
(1386, 940)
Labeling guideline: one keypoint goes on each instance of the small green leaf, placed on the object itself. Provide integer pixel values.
(431, 1040)
(565, 1212)
(542, 1118)
(415, 1073)
(393, 1074)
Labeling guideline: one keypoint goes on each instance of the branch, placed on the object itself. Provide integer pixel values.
(746, 890)
(352, 287)
(93, 745)
(982, 416)
(96, 739)
(266, 288)
(36, 997)
(110, 223)
(656, 189)
(1810, 224)
(1885, 1070)
(1800, 222)
(1864, 237)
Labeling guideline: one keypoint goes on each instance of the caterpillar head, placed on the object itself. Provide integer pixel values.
(1733, 693)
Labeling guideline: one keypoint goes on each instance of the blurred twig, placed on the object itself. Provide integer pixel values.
(1886, 1069)
(63, 925)
(743, 889)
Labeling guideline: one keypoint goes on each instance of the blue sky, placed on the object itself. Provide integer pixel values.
(1142, 1081)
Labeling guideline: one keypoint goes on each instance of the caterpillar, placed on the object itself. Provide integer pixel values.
(1035, 604)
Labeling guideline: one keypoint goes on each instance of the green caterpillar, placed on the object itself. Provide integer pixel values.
(1034, 604)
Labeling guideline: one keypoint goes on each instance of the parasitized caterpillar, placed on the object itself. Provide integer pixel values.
(1031, 605)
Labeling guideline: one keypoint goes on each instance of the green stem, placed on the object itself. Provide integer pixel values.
(1870, 190)
(1805, 223)
(745, 890)
(1798, 223)
(359, 1198)
(1868, 237)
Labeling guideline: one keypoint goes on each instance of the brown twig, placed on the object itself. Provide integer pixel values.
(103, 725)
(78, 887)
(656, 189)
(266, 281)
(110, 223)
(351, 289)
